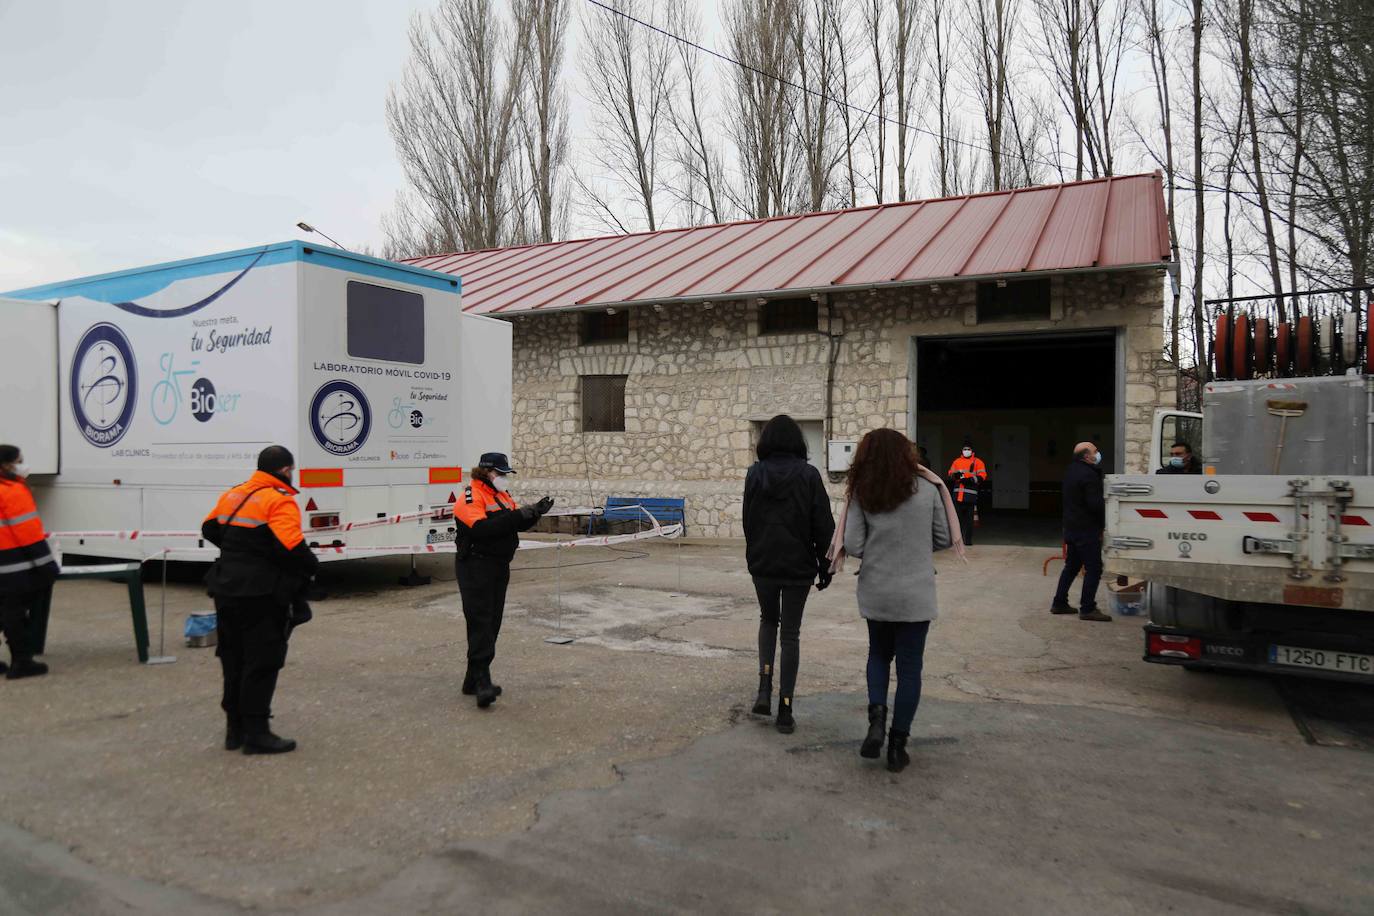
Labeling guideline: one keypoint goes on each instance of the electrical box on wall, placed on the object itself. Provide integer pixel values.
(839, 453)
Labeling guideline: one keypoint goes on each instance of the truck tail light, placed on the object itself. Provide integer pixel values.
(1165, 645)
(324, 520)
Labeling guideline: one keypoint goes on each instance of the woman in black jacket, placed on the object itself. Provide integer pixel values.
(787, 530)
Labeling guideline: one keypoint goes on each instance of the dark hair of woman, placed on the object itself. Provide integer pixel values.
(781, 436)
(8, 454)
(882, 474)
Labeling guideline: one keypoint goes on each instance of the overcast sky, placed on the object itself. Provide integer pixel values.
(149, 130)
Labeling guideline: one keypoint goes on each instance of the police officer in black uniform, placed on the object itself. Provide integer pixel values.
(489, 525)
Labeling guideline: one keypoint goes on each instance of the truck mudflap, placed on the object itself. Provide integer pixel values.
(1331, 657)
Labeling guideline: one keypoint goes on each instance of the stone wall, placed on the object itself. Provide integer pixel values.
(699, 380)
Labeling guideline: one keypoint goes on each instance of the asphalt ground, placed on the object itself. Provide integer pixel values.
(1053, 770)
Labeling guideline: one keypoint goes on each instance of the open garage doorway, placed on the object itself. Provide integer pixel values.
(1022, 400)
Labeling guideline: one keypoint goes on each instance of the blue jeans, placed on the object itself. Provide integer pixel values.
(905, 642)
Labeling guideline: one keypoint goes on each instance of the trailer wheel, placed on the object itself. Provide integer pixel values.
(1221, 350)
(1240, 346)
(1264, 346)
(1307, 342)
(1283, 350)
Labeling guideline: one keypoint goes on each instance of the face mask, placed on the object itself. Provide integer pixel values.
(968, 453)
(498, 483)
(1176, 461)
(20, 469)
(1097, 459)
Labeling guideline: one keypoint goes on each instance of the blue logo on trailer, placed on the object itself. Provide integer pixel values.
(104, 385)
(340, 417)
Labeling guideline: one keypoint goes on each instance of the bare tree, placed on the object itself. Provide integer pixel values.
(700, 169)
(1197, 23)
(761, 109)
(908, 58)
(879, 49)
(545, 127)
(815, 36)
(453, 120)
(1245, 64)
(1063, 25)
(988, 44)
(945, 24)
(1158, 47)
(625, 72)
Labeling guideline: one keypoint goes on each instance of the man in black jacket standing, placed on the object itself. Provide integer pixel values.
(1085, 517)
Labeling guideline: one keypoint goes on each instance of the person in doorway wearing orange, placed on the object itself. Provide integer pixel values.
(263, 568)
(27, 566)
(966, 475)
(489, 525)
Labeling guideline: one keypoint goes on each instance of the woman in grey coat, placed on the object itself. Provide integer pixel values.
(894, 523)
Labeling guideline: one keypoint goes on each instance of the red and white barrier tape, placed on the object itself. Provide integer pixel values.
(139, 535)
(193, 553)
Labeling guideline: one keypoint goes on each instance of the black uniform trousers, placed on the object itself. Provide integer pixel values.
(965, 512)
(482, 583)
(16, 612)
(251, 649)
(1084, 553)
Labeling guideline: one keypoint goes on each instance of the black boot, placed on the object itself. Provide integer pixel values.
(763, 706)
(484, 688)
(897, 757)
(233, 734)
(264, 742)
(785, 723)
(877, 725)
(470, 685)
(25, 667)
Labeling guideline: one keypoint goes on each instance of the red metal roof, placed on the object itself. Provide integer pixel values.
(1105, 223)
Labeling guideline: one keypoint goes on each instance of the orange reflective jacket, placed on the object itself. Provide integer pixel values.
(257, 527)
(23, 547)
(967, 473)
(490, 522)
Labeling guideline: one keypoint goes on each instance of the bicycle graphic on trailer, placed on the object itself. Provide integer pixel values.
(167, 396)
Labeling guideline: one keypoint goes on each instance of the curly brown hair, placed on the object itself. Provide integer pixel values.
(882, 474)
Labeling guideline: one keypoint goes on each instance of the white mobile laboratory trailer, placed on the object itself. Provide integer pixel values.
(139, 396)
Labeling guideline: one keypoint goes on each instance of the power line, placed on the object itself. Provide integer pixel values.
(1057, 166)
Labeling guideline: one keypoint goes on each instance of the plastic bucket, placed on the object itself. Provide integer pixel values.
(202, 630)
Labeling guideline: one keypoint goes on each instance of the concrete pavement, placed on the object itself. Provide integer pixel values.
(1054, 770)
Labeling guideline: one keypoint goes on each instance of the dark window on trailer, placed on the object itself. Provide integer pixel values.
(789, 316)
(386, 324)
(1014, 300)
(598, 327)
(603, 403)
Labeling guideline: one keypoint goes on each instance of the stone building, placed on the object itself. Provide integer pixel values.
(1022, 321)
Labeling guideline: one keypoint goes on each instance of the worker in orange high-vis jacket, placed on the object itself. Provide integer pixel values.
(262, 571)
(27, 566)
(966, 475)
(489, 526)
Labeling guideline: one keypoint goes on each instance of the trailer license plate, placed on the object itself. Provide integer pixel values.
(1325, 659)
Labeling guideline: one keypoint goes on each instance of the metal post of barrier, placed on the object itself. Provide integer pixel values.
(162, 658)
(558, 639)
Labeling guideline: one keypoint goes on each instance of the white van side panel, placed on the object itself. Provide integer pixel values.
(486, 387)
(28, 377)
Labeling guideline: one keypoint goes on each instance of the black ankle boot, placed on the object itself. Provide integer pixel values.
(785, 724)
(877, 725)
(763, 706)
(897, 757)
(470, 685)
(233, 734)
(267, 743)
(25, 667)
(485, 689)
